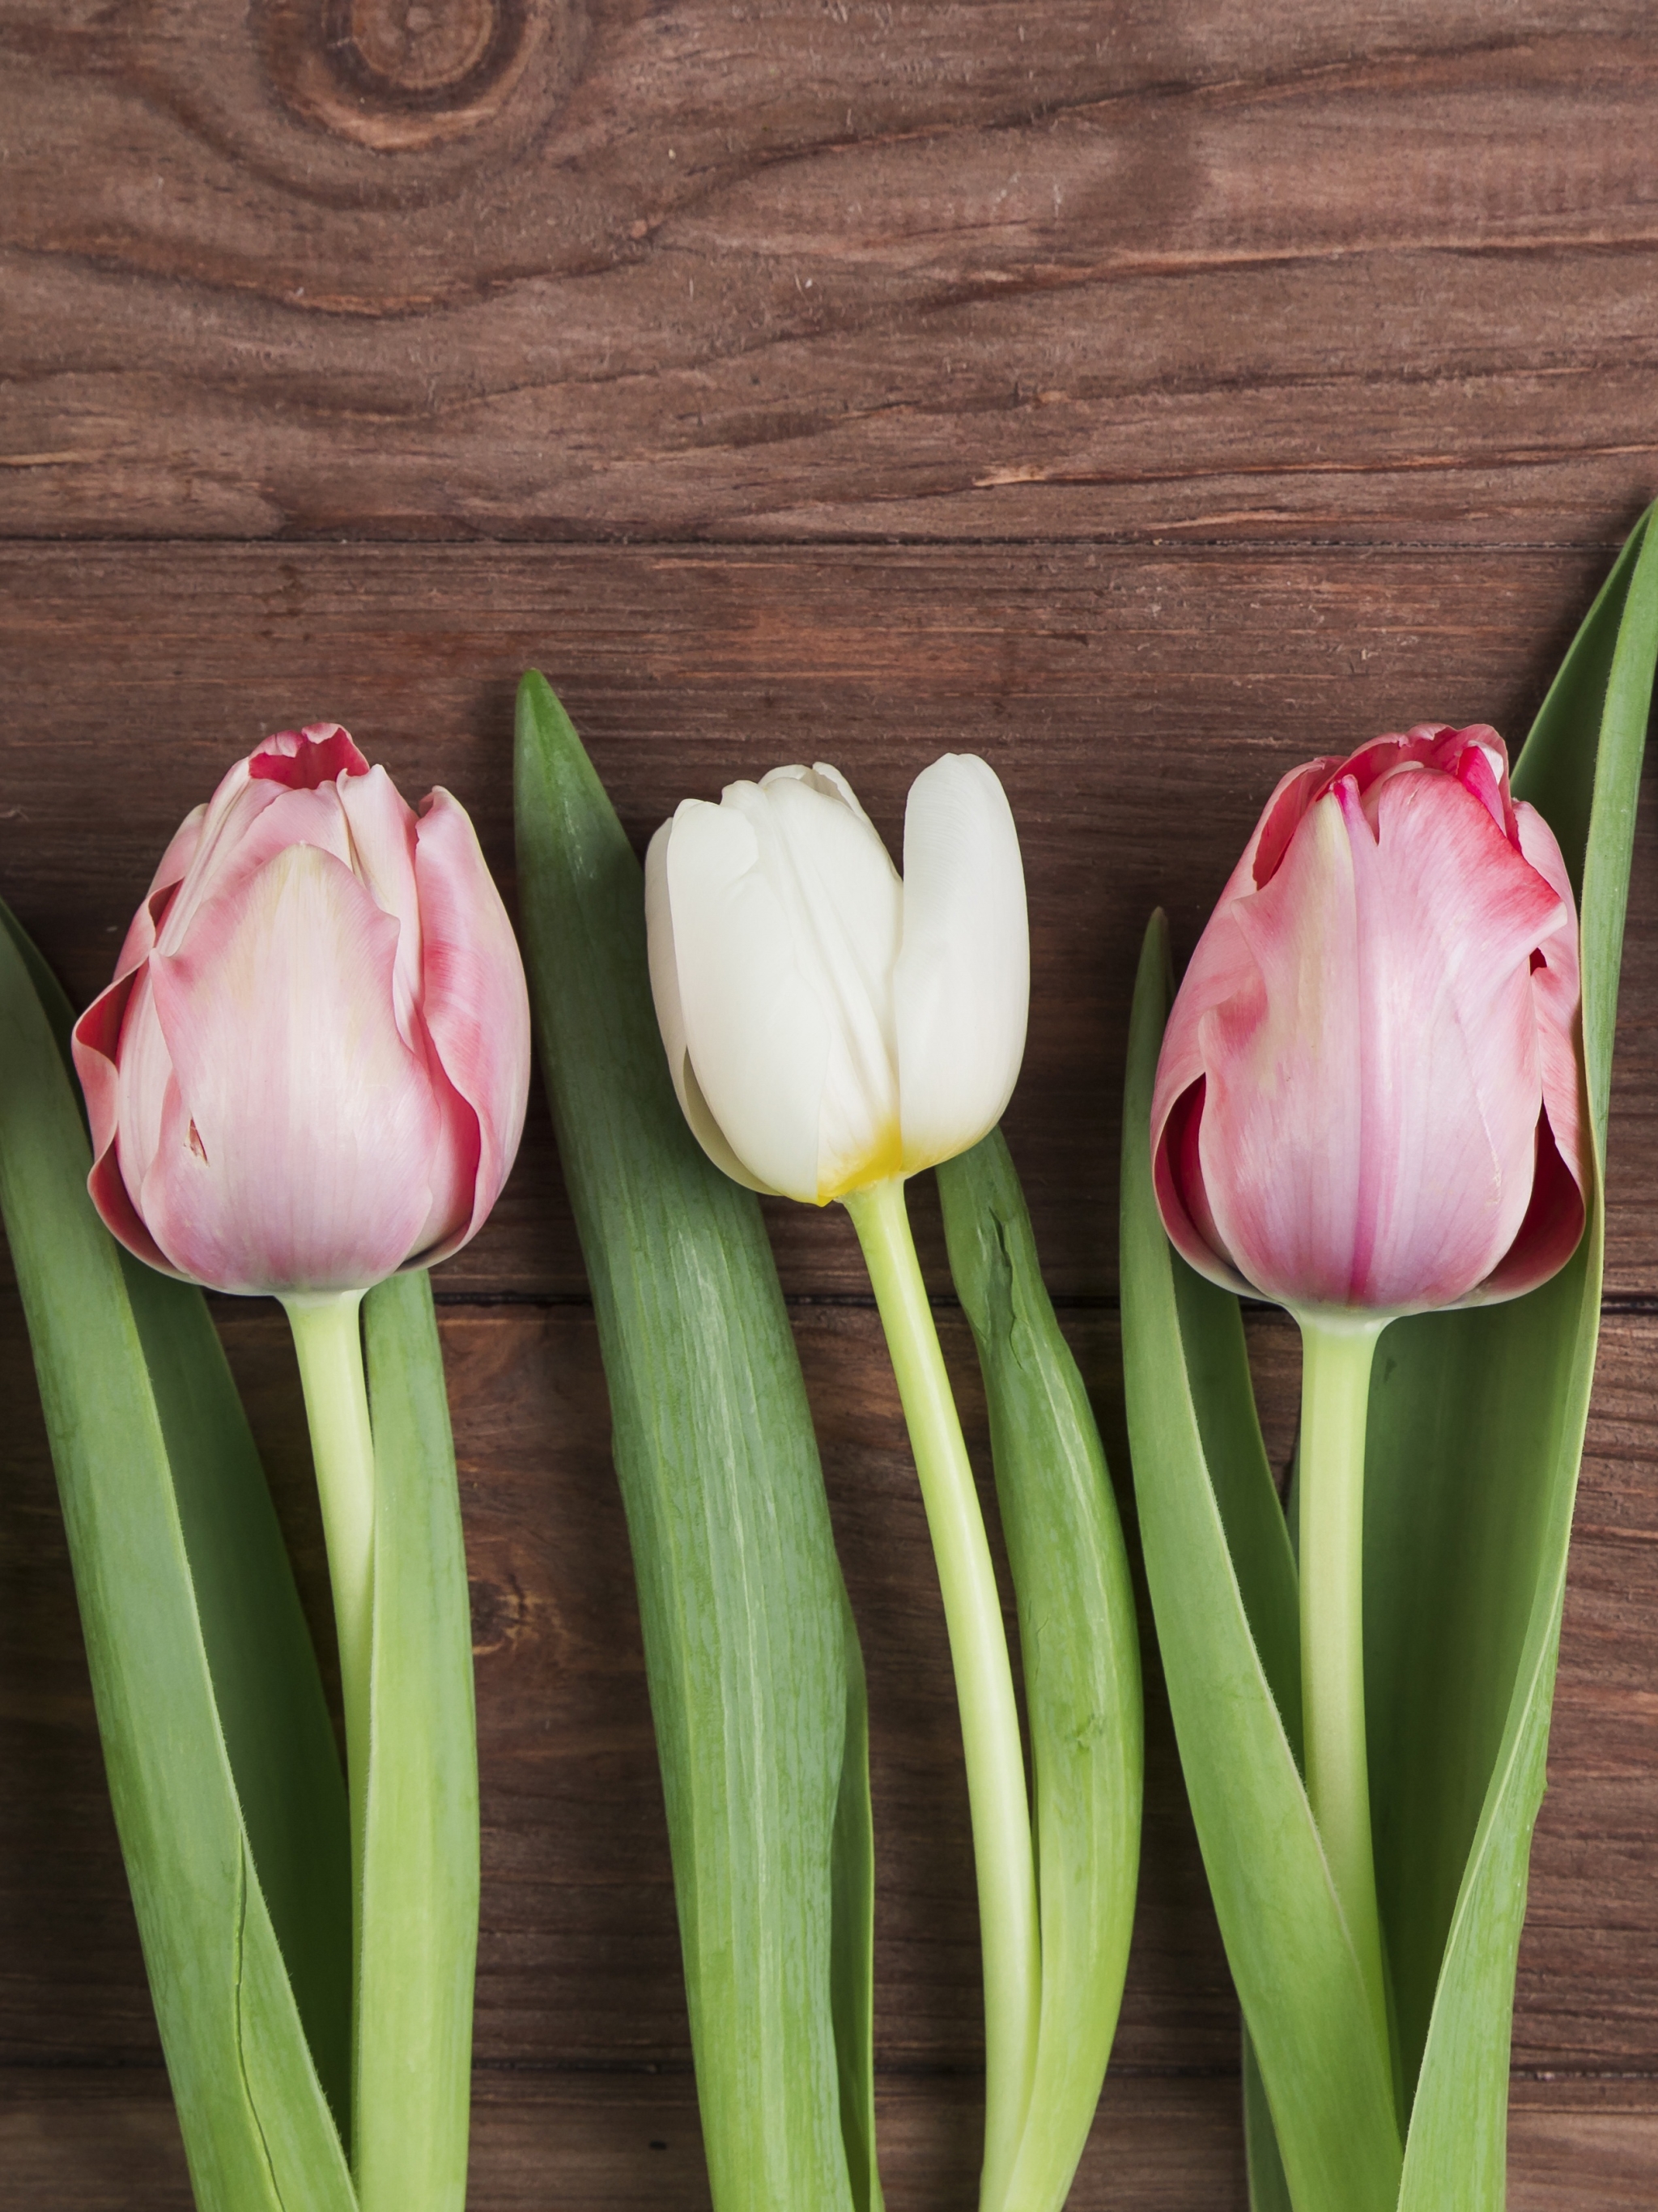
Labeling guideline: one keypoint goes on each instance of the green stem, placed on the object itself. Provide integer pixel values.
(327, 1338)
(1335, 1396)
(984, 1679)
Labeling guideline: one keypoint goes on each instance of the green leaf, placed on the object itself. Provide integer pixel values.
(759, 1713)
(227, 1788)
(1080, 1650)
(1226, 1629)
(1477, 1423)
(421, 1849)
(1476, 1429)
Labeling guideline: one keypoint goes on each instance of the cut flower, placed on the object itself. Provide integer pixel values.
(1368, 1092)
(311, 1067)
(828, 1026)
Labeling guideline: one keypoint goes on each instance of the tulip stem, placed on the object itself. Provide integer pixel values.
(1335, 1396)
(984, 1679)
(328, 1340)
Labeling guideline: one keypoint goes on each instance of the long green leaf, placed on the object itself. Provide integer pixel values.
(1225, 1615)
(1477, 1423)
(759, 1715)
(1080, 1650)
(419, 1878)
(227, 1790)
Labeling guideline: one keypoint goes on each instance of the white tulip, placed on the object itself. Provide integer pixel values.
(828, 1026)
(831, 1030)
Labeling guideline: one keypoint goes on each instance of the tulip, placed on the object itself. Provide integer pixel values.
(1368, 1096)
(311, 1067)
(832, 1028)
(1368, 1104)
(310, 1072)
(829, 1025)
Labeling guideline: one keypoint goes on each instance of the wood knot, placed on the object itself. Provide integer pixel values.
(397, 75)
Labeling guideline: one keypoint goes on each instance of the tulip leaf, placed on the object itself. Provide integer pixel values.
(1475, 1435)
(1080, 1650)
(1226, 1626)
(1477, 1423)
(227, 1788)
(758, 1701)
(420, 1880)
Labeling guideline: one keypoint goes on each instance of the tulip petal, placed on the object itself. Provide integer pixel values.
(295, 1142)
(380, 825)
(1554, 1219)
(1280, 1135)
(255, 821)
(670, 1018)
(175, 865)
(1369, 1130)
(96, 1043)
(475, 1001)
(835, 883)
(962, 982)
(757, 1036)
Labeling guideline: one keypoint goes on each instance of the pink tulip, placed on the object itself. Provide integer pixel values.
(311, 1067)
(1368, 1096)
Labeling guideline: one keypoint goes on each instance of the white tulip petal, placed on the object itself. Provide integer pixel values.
(669, 1014)
(963, 983)
(757, 1038)
(834, 881)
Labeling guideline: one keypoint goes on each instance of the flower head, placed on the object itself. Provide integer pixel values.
(311, 1067)
(1368, 1094)
(828, 1025)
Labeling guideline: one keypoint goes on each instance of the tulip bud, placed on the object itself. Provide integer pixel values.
(829, 1026)
(311, 1067)
(1368, 1094)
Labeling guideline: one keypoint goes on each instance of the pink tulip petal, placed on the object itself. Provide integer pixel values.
(175, 863)
(1550, 1233)
(1370, 1141)
(1183, 1196)
(1557, 991)
(1280, 819)
(1278, 1139)
(294, 1144)
(145, 1077)
(1554, 1220)
(380, 823)
(476, 1003)
(96, 1043)
(247, 826)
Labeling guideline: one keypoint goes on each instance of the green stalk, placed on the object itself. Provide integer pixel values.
(1335, 1395)
(397, 1566)
(1080, 1650)
(328, 1344)
(984, 1679)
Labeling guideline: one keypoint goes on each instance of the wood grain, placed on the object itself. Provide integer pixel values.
(1017, 268)
(1139, 707)
(579, 1980)
(1144, 396)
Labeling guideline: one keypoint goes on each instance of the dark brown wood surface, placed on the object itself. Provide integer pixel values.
(1144, 396)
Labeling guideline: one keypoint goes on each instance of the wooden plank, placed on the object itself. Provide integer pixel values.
(1139, 705)
(579, 1964)
(1005, 269)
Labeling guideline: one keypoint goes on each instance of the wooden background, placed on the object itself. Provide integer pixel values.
(1145, 393)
